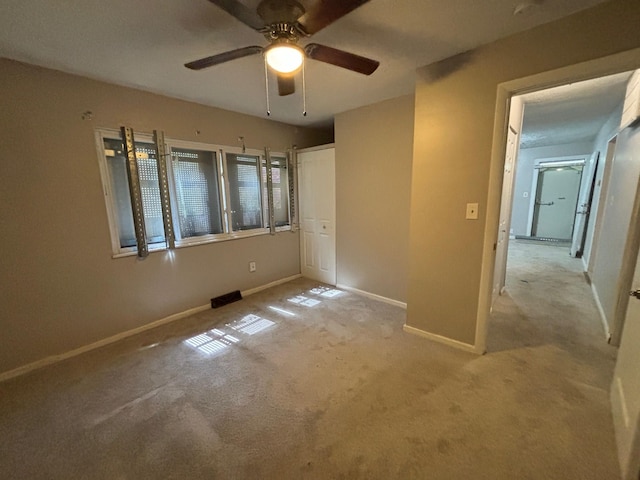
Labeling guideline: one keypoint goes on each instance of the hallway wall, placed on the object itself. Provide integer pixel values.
(609, 128)
(614, 229)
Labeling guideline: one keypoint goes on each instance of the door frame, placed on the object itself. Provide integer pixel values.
(612, 64)
(583, 208)
(604, 190)
(625, 280)
(516, 112)
(631, 260)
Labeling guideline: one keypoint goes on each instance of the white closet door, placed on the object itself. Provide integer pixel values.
(316, 191)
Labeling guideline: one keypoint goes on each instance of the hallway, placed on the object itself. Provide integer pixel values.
(549, 321)
(548, 301)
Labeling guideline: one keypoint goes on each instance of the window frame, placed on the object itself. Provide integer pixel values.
(105, 178)
(220, 152)
(228, 214)
(285, 162)
(290, 205)
(207, 147)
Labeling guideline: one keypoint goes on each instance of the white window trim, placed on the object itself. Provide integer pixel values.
(284, 228)
(197, 240)
(112, 216)
(227, 189)
(220, 150)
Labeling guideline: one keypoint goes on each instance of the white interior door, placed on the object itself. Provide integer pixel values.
(625, 390)
(502, 242)
(316, 190)
(583, 212)
(556, 201)
(626, 387)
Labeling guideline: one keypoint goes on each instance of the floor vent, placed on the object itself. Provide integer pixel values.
(225, 299)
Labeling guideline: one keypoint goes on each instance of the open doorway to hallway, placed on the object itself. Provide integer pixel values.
(606, 265)
(557, 190)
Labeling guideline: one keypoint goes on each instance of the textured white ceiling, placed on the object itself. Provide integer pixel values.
(571, 113)
(144, 44)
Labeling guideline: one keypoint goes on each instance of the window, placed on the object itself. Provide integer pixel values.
(197, 192)
(280, 182)
(214, 193)
(245, 194)
(149, 186)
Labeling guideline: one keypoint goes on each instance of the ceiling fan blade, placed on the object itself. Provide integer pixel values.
(321, 13)
(286, 85)
(340, 58)
(223, 57)
(241, 12)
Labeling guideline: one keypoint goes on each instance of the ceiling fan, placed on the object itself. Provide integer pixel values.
(283, 23)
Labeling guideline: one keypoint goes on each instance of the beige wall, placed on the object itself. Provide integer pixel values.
(373, 182)
(60, 287)
(452, 163)
(600, 145)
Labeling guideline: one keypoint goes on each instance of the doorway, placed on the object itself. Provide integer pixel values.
(556, 198)
(556, 172)
(613, 201)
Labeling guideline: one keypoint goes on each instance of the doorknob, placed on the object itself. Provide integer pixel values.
(635, 293)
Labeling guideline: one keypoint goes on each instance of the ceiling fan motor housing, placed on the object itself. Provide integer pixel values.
(282, 33)
(280, 11)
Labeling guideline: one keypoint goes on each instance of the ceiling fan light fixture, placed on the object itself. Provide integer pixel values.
(284, 57)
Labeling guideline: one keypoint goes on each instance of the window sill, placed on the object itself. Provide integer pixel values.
(206, 240)
(223, 237)
(133, 253)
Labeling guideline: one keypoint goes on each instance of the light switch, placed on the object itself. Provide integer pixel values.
(472, 211)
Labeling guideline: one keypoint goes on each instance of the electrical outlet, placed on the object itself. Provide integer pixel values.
(472, 211)
(252, 266)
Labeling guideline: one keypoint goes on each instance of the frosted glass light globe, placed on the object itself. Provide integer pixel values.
(284, 58)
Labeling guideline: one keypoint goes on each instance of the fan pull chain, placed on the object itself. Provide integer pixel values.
(304, 91)
(266, 85)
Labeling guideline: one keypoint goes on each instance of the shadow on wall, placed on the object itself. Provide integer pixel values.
(441, 70)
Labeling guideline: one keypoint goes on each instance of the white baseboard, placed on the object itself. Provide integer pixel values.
(251, 291)
(129, 333)
(100, 343)
(440, 339)
(380, 298)
(603, 316)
